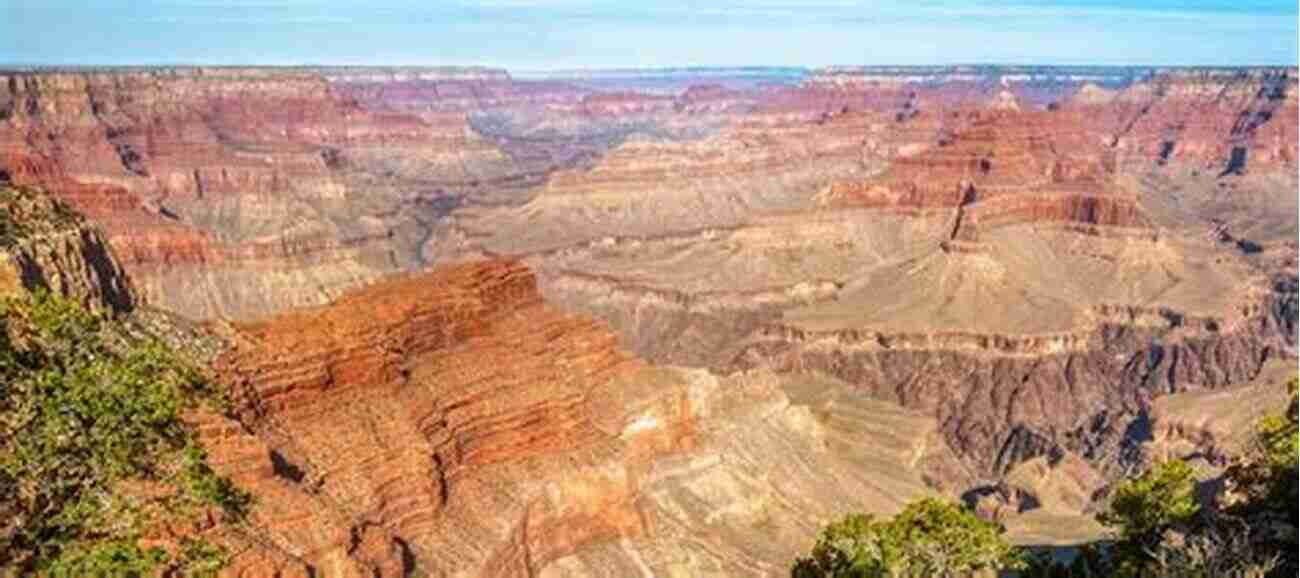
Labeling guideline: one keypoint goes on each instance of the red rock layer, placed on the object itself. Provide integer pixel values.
(216, 174)
(378, 420)
(204, 179)
(1200, 117)
(1004, 167)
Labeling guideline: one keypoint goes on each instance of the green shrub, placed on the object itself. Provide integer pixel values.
(1144, 508)
(930, 537)
(93, 450)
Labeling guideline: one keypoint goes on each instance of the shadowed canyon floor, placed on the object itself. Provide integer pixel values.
(481, 325)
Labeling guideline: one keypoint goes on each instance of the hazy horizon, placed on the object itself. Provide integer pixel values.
(561, 71)
(567, 35)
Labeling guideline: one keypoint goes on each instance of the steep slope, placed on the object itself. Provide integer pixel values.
(46, 245)
(453, 423)
(1019, 276)
(235, 192)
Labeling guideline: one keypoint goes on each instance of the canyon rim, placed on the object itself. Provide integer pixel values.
(615, 318)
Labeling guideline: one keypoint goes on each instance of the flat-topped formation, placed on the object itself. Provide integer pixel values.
(1019, 257)
(1028, 280)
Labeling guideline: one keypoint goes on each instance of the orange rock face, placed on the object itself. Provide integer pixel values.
(1017, 262)
(1224, 121)
(204, 179)
(377, 425)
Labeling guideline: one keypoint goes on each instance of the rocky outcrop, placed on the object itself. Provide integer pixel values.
(453, 424)
(235, 192)
(1223, 121)
(45, 245)
(461, 373)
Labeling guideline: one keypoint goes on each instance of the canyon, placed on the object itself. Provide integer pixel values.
(609, 324)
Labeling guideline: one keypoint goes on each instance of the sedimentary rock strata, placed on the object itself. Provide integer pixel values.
(234, 192)
(669, 309)
(1218, 120)
(465, 428)
(1051, 283)
(46, 246)
(454, 380)
(1025, 250)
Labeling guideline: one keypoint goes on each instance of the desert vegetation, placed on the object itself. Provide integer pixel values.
(645, 322)
(99, 473)
(930, 537)
(1159, 527)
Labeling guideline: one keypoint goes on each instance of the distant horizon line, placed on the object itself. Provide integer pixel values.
(9, 66)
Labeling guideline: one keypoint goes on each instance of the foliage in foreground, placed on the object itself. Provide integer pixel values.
(95, 460)
(1161, 530)
(929, 537)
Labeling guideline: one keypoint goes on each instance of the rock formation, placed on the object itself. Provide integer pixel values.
(45, 245)
(1216, 120)
(464, 428)
(667, 309)
(1133, 310)
(233, 192)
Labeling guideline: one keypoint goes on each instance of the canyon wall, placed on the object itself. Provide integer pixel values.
(46, 246)
(461, 427)
(665, 311)
(236, 192)
(240, 192)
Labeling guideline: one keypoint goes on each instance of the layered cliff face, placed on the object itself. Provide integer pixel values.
(1051, 304)
(1018, 274)
(45, 245)
(1225, 121)
(1013, 262)
(237, 192)
(461, 427)
(435, 375)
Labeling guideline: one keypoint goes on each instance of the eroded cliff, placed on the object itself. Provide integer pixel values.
(462, 427)
(1017, 262)
(45, 245)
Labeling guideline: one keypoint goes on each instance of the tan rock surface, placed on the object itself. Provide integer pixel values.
(461, 427)
(1027, 282)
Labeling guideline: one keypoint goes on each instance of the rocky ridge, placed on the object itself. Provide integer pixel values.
(45, 245)
(502, 436)
(1026, 261)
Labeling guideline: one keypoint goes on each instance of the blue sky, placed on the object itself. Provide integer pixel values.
(550, 34)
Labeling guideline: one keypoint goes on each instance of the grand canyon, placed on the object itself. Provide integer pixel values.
(671, 322)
